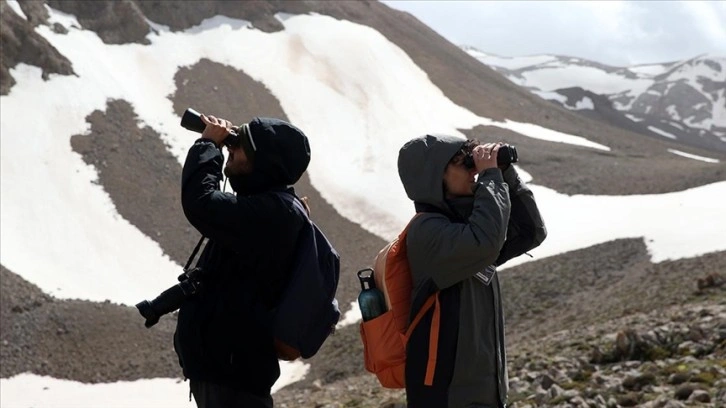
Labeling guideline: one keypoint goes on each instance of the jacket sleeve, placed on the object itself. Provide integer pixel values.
(526, 229)
(231, 221)
(451, 252)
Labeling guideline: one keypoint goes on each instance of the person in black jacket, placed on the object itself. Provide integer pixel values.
(224, 347)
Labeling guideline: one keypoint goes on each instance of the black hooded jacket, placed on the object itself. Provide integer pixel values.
(220, 336)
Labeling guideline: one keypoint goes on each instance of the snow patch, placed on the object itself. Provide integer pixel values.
(30, 390)
(551, 96)
(572, 221)
(690, 72)
(673, 112)
(217, 22)
(676, 125)
(156, 27)
(633, 118)
(700, 105)
(649, 70)
(15, 6)
(542, 133)
(590, 78)
(693, 156)
(661, 132)
(352, 316)
(584, 103)
(718, 114)
(705, 123)
(282, 17)
(66, 20)
(511, 63)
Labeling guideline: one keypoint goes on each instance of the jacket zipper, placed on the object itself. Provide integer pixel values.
(499, 343)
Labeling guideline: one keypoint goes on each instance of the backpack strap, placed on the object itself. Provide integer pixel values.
(289, 195)
(432, 301)
(433, 342)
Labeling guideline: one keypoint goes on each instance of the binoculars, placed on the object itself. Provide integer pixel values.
(192, 120)
(507, 155)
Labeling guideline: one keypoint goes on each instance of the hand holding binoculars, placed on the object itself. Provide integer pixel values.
(507, 155)
(192, 120)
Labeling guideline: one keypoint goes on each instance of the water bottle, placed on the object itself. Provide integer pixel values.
(371, 301)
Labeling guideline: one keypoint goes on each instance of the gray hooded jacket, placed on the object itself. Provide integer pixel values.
(447, 246)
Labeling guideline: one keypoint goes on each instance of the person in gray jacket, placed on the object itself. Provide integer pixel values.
(468, 226)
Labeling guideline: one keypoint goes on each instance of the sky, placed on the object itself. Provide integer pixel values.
(615, 33)
(380, 110)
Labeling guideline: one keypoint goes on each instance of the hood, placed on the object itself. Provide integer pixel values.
(421, 165)
(280, 152)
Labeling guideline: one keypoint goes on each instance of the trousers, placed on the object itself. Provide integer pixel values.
(210, 395)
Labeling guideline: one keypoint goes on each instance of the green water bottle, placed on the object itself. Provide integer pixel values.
(371, 300)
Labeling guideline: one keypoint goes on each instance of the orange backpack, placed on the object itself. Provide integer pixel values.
(385, 337)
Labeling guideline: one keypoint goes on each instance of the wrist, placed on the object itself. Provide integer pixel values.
(491, 173)
(206, 140)
(216, 143)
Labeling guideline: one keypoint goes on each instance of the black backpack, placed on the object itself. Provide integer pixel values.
(308, 311)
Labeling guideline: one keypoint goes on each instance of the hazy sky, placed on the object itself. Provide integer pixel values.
(611, 32)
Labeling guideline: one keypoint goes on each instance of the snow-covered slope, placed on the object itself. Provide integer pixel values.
(372, 105)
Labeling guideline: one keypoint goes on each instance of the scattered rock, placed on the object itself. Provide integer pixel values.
(713, 280)
(684, 391)
(699, 396)
(636, 383)
(630, 399)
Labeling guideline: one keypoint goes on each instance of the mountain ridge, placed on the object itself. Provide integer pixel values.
(685, 100)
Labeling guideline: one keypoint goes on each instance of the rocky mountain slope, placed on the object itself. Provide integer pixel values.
(574, 302)
(680, 100)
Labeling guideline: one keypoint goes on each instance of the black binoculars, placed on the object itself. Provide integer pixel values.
(192, 120)
(507, 154)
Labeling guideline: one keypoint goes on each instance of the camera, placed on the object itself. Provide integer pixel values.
(507, 154)
(191, 120)
(172, 298)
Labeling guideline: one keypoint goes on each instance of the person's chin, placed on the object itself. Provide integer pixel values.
(228, 171)
(233, 169)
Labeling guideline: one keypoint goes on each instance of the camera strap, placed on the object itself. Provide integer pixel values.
(194, 253)
(199, 244)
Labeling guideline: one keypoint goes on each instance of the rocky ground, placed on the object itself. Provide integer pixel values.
(674, 357)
